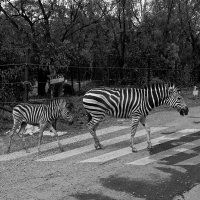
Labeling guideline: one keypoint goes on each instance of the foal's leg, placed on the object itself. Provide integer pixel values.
(57, 137)
(148, 130)
(11, 134)
(21, 133)
(42, 128)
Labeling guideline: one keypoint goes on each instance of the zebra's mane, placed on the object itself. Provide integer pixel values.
(46, 101)
(158, 85)
(59, 99)
(146, 86)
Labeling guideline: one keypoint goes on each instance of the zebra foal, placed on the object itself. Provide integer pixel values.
(42, 115)
(132, 103)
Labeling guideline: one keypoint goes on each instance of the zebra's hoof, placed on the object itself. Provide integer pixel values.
(98, 146)
(101, 146)
(27, 150)
(61, 149)
(149, 147)
(7, 151)
(39, 151)
(134, 150)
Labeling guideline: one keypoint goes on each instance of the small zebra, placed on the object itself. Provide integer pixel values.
(42, 115)
(132, 103)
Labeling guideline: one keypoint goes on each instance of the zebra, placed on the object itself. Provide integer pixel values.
(40, 114)
(133, 103)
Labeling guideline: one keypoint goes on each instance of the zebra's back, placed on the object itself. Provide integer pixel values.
(117, 102)
(29, 113)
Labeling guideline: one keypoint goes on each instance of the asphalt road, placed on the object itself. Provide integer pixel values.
(170, 171)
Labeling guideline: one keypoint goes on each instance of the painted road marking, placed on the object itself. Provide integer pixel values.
(184, 148)
(52, 145)
(140, 146)
(89, 148)
(122, 152)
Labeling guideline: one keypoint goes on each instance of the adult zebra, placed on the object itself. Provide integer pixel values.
(42, 115)
(130, 102)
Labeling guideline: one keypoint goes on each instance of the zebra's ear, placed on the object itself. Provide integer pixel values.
(169, 84)
(170, 88)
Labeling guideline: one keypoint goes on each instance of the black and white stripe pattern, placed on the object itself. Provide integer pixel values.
(132, 103)
(42, 115)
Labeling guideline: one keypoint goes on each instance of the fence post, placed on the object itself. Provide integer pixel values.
(72, 77)
(26, 75)
(79, 78)
(149, 70)
(108, 76)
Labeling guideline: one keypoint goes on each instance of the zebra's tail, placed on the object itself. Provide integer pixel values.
(89, 116)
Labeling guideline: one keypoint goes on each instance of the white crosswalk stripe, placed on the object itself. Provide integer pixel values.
(88, 148)
(164, 154)
(178, 146)
(52, 145)
(121, 152)
(125, 151)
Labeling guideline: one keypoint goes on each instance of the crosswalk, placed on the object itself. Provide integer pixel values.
(91, 147)
(180, 147)
(140, 146)
(185, 148)
(67, 141)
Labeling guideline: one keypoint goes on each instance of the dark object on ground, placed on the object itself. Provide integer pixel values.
(68, 89)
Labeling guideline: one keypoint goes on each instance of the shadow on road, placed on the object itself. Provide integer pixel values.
(156, 189)
(89, 196)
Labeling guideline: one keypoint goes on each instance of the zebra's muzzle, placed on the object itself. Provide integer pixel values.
(184, 111)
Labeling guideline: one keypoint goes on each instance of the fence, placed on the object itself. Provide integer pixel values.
(18, 81)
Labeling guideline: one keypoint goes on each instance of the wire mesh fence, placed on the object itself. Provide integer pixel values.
(28, 81)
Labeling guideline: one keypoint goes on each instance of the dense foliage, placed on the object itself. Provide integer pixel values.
(123, 41)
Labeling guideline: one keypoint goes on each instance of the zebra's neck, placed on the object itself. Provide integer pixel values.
(54, 110)
(156, 96)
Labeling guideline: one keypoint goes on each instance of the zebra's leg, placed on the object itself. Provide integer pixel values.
(134, 125)
(42, 127)
(148, 130)
(57, 137)
(11, 134)
(21, 134)
(92, 126)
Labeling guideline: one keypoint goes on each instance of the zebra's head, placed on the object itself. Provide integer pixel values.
(175, 100)
(67, 111)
